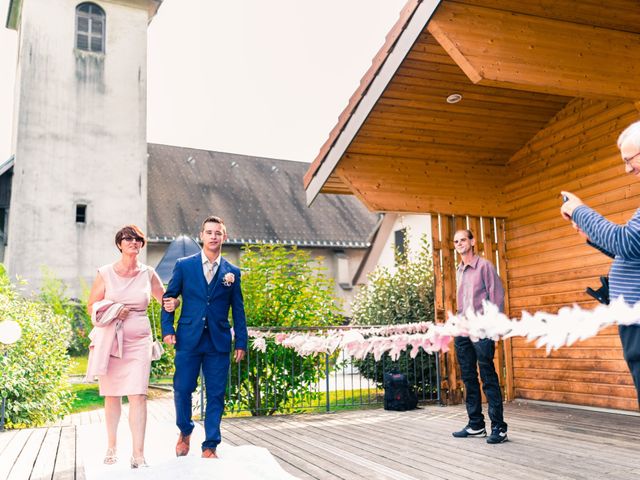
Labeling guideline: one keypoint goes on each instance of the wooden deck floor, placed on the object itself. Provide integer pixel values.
(545, 442)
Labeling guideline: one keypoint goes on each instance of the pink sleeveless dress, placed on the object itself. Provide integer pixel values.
(129, 375)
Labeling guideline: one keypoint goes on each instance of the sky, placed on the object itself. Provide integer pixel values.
(255, 77)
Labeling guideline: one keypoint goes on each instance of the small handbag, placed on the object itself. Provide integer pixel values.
(156, 348)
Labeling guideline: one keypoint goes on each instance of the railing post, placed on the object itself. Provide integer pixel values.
(438, 380)
(326, 374)
(4, 404)
(2, 413)
(202, 387)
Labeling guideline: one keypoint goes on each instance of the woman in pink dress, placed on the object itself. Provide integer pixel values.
(130, 284)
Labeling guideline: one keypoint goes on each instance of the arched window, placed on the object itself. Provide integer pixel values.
(90, 28)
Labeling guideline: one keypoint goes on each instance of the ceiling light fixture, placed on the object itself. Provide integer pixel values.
(454, 98)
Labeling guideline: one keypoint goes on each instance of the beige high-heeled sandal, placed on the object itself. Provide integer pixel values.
(110, 457)
(138, 462)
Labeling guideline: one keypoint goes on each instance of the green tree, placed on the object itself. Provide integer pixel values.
(282, 287)
(404, 295)
(35, 369)
(286, 287)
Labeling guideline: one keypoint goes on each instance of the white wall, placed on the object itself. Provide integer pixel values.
(79, 137)
(417, 225)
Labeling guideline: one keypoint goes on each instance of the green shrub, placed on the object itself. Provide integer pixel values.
(420, 372)
(405, 295)
(286, 287)
(35, 369)
(282, 287)
(53, 292)
(275, 381)
(163, 367)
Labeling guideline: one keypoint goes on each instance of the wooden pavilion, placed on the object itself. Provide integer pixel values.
(543, 89)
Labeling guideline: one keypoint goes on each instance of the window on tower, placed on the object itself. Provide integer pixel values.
(4, 226)
(90, 28)
(81, 213)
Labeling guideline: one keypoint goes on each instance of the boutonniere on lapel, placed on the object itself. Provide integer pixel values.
(228, 279)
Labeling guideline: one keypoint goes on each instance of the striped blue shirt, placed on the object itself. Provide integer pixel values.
(623, 241)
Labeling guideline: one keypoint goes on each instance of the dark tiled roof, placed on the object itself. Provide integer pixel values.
(260, 200)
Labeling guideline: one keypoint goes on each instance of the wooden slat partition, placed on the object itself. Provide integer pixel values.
(549, 264)
(490, 243)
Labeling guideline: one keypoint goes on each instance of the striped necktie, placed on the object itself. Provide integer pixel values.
(211, 271)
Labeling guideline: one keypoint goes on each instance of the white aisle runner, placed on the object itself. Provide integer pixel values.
(245, 462)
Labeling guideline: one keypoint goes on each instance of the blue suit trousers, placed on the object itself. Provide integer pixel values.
(215, 369)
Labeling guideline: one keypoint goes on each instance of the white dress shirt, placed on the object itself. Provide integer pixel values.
(209, 268)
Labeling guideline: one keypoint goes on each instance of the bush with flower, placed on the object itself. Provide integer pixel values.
(282, 287)
(34, 370)
(400, 296)
(54, 292)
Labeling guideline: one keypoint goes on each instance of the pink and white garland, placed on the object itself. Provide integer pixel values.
(549, 330)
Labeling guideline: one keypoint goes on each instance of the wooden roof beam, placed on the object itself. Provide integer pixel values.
(525, 52)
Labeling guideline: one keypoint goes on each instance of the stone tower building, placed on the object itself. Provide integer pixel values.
(80, 166)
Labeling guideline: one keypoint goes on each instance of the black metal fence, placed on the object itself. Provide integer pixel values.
(280, 381)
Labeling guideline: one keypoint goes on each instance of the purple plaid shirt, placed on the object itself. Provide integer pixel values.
(478, 281)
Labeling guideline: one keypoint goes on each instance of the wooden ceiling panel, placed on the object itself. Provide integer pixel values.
(486, 95)
(623, 15)
(424, 147)
(537, 53)
(335, 184)
(478, 123)
(367, 167)
(448, 203)
(517, 64)
(408, 151)
(413, 184)
(394, 133)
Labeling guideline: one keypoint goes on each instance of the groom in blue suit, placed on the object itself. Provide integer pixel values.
(209, 286)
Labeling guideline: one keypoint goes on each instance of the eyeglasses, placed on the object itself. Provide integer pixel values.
(628, 160)
(132, 239)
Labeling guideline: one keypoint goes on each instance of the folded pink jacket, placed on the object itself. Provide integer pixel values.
(106, 338)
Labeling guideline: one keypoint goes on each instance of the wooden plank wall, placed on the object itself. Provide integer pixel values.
(548, 263)
(490, 243)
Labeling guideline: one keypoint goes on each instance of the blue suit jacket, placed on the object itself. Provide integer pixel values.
(202, 303)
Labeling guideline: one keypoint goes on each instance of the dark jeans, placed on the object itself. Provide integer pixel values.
(471, 355)
(215, 367)
(630, 338)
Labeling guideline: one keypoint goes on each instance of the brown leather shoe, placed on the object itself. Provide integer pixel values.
(209, 453)
(182, 447)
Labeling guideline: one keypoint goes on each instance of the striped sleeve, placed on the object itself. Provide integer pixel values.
(608, 254)
(621, 240)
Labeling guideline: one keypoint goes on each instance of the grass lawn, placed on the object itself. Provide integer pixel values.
(78, 365)
(88, 398)
(348, 399)
(165, 381)
(339, 400)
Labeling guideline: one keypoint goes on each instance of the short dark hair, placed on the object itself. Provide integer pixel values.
(129, 231)
(467, 231)
(212, 219)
